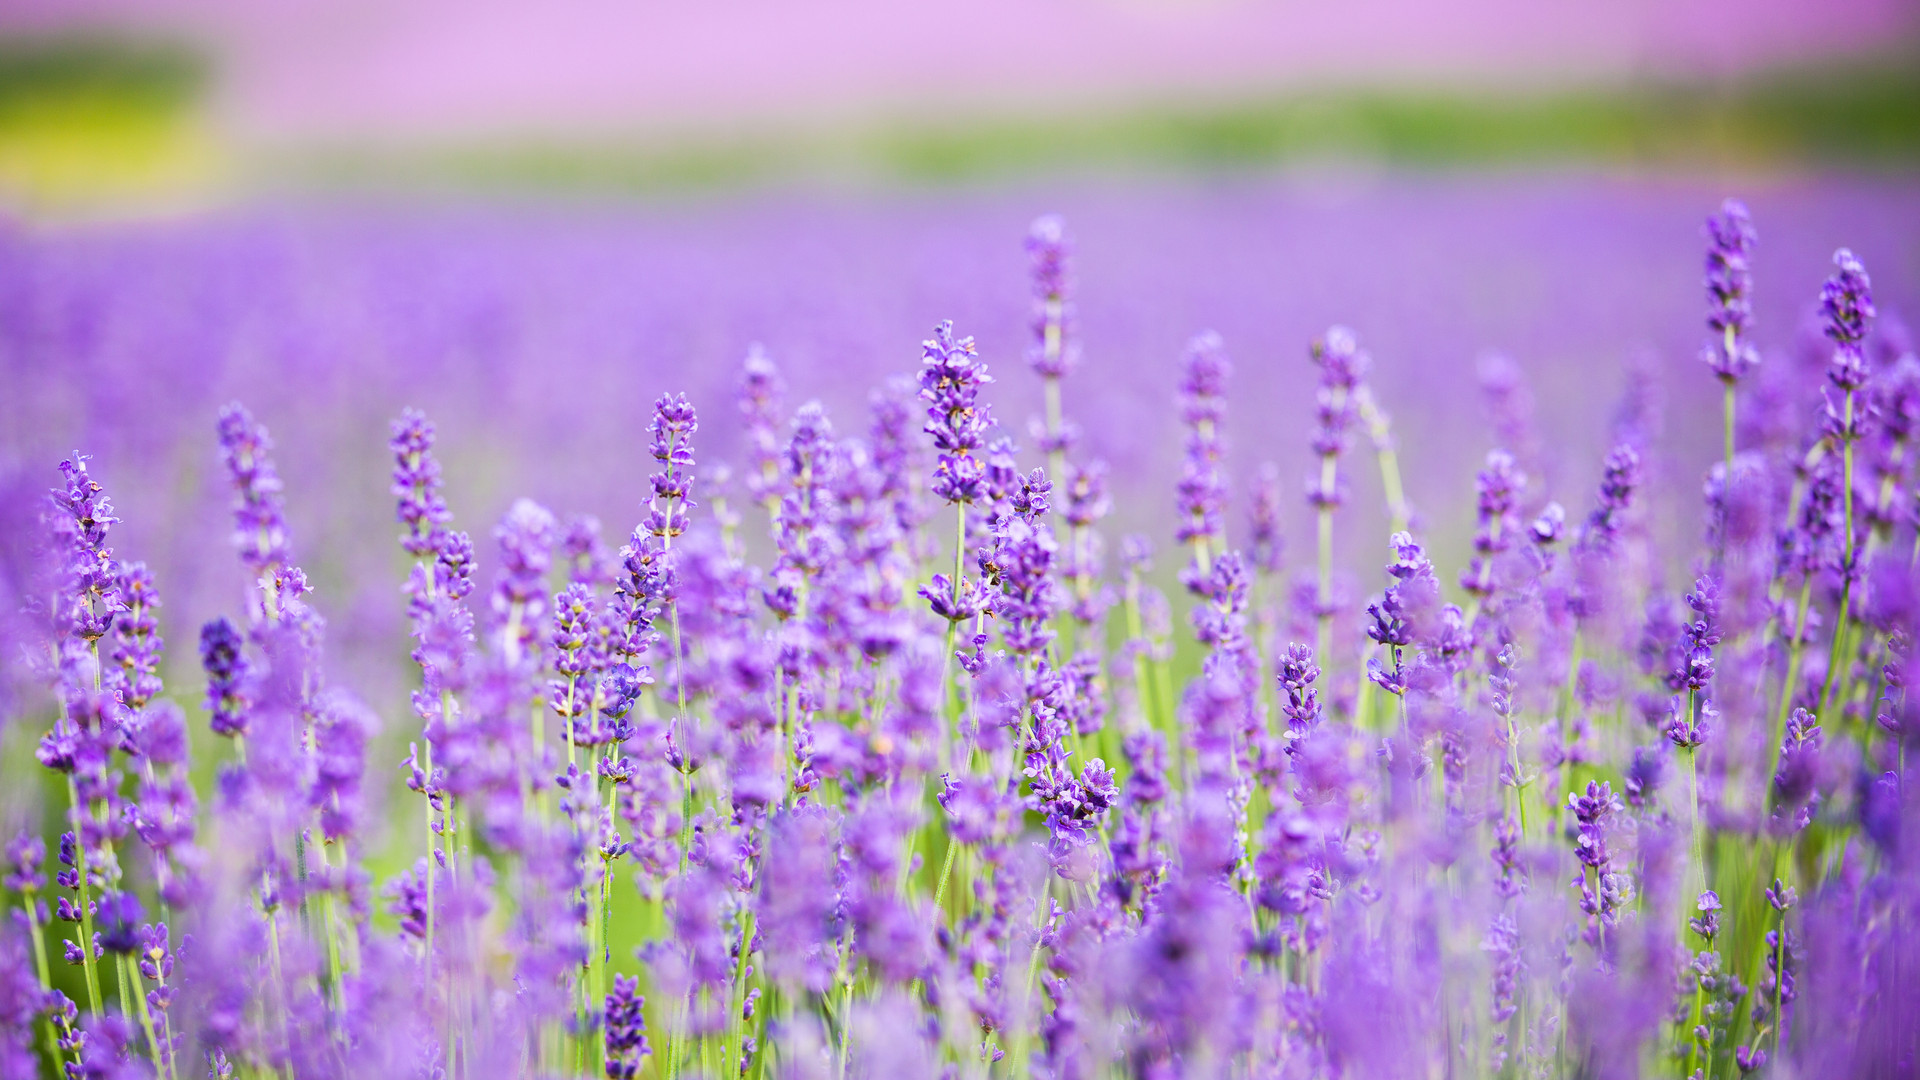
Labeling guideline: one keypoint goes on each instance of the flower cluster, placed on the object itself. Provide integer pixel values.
(732, 802)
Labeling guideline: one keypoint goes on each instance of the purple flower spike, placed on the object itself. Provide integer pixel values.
(416, 484)
(1846, 310)
(1302, 708)
(226, 668)
(759, 400)
(1618, 479)
(137, 642)
(1053, 352)
(526, 537)
(626, 1029)
(89, 594)
(1342, 364)
(1707, 923)
(259, 519)
(1729, 280)
(118, 922)
(674, 424)
(1499, 487)
(1202, 492)
(1846, 300)
(950, 381)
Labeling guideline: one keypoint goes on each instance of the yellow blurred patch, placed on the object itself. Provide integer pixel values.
(82, 150)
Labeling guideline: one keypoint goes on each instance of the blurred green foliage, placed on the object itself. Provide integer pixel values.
(87, 118)
(90, 118)
(1864, 113)
(162, 75)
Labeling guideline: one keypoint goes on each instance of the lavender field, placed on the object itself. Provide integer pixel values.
(1340, 626)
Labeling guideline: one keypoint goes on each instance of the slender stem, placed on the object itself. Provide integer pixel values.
(40, 965)
(946, 869)
(86, 901)
(426, 955)
(846, 1026)
(279, 995)
(946, 654)
(1727, 411)
(1792, 679)
(127, 976)
(1324, 641)
(1023, 1019)
(736, 1022)
(1398, 512)
(1056, 454)
(1779, 979)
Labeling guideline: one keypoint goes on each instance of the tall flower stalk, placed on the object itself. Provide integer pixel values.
(951, 377)
(1336, 407)
(1846, 309)
(1729, 281)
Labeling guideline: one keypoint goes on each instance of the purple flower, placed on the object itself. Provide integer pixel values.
(1697, 638)
(1498, 488)
(979, 811)
(1688, 730)
(759, 400)
(1707, 923)
(1729, 280)
(950, 381)
(526, 536)
(118, 922)
(259, 519)
(1342, 365)
(626, 1029)
(1053, 352)
(1620, 476)
(226, 668)
(1643, 777)
(1203, 407)
(674, 424)
(88, 583)
(1846, 301)
(416, 484)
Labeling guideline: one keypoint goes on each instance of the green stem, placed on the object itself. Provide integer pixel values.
(1056, 457)
(1324, 639)
(1779, 978)
(1377, 425)
(1791, 682)
(946, 870)
(426, 956)
(1846, 580)
(146, 1015)
(736, 1023)
(846, 1027)
(1727, 410)
(946, 654)
(86, 901)
(40, 965)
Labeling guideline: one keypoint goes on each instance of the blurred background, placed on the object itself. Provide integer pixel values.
(532, 218)
(154, 103)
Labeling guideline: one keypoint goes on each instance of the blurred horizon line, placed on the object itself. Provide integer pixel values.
(89, 119)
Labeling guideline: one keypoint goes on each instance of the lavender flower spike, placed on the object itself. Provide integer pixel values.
(1731, 237)
(760, 390)
(1342, 364)
(1846, 309)
(950, 381)
(226, 667)
(674, 423)
(1053, 352)
(260, 526)
(1729, 281)
(416, 484)
(1202, 490)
